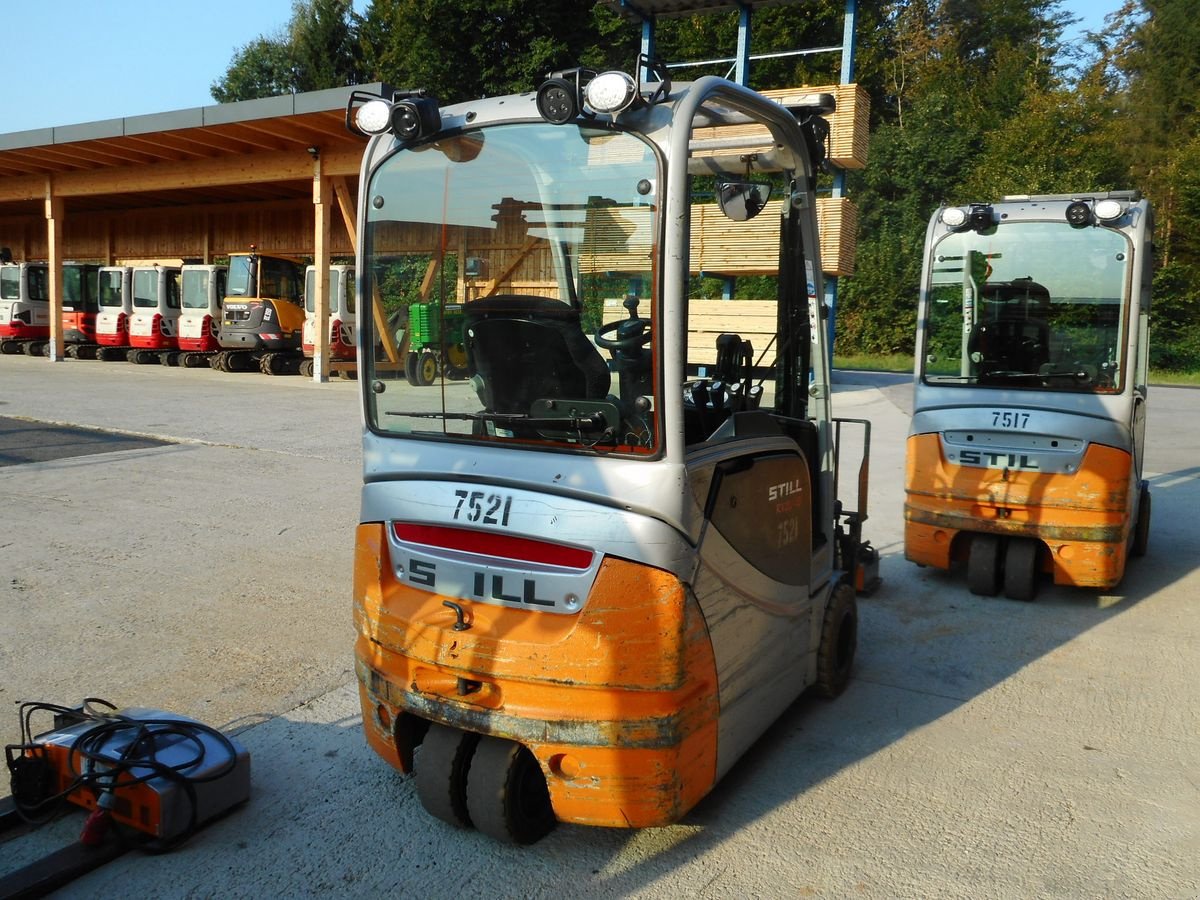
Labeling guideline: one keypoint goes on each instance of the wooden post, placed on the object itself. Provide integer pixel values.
(54, 247)
(382, 331)
(322, 202)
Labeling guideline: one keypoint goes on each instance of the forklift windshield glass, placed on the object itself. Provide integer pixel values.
(1037, 305)
(491, 261)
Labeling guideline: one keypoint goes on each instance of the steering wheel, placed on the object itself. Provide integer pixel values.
(625, 334)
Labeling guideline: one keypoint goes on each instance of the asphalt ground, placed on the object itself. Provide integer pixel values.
(983, 747)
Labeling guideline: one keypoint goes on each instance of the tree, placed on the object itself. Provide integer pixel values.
(464, 49)
(317, 49)
(262, 68)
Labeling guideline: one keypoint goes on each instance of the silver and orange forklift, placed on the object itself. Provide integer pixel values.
(1028, 433)
(589, 575)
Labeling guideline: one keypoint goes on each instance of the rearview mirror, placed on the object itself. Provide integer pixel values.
(742, 200)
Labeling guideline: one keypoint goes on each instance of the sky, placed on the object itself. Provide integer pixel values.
(66, 62)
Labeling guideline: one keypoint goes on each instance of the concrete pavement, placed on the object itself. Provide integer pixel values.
(983, 747)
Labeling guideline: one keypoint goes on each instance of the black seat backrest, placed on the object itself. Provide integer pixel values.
(526, 348)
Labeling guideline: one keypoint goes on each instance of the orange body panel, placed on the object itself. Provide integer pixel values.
(618, 703)
(1083, 518)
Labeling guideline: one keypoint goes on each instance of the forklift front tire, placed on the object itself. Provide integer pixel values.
(839, 641)
(1141, 529)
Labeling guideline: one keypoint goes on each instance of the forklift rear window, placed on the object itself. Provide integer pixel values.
(492, 256)
(1036, 305)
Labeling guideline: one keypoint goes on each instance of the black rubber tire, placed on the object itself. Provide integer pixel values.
(307, 367)
(410, 369)
(37, 348)
(985, 565)
(10, 348)
(427, 368)
(131, 356)
(1141, 528)
(169, 358)
(507, 797)
(1022, 565)
(839, 641)
(442, 766)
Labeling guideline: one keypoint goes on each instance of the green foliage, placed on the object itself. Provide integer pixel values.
(970, 100)
(317, 49)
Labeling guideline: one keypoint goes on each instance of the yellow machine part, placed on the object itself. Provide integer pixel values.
(1083, 518)
(618, 703)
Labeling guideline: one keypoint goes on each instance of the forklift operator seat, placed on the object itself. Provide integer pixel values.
(522, 348)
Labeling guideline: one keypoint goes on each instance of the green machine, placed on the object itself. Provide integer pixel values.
(435, 343)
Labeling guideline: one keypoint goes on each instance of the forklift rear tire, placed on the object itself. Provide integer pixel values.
(507, 797)
(427, 368)
(984, 569)
(1141, 530)
(442, 767)
(1022, 560)
(839, 641)
(410, 369)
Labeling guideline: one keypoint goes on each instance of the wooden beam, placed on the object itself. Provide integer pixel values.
(346, 203)
(54, 244)
(322, 203)
(213, 172)
(512, 266)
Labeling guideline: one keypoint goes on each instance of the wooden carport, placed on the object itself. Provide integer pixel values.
(192, 183)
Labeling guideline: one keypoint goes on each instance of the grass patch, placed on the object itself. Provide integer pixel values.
(1160, 376)
(899, 362)
(894, 362)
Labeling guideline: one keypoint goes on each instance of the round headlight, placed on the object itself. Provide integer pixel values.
(1107, 210)
(610, 92)
(954, 216)
(373, 116)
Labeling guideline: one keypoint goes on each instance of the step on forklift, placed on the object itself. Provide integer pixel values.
(1025, 451)
(589, 576)
(202, 289)
(262, 316)
(341, 317)
(116, 307)
(154, 323)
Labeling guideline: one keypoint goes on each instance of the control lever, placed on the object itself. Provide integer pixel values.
(717, 392)
(699, 390)
(737, 398)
